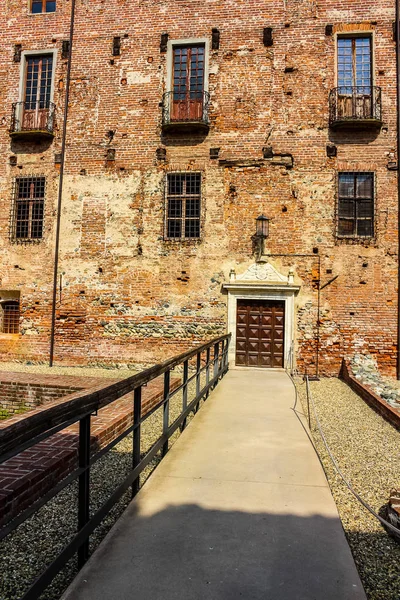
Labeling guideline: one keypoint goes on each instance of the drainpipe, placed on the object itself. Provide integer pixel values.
(398, 180)
(60, 185)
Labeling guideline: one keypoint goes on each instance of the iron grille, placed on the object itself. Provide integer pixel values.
(355, 103)
(10, 316)
(188, 107)
(183, 204)
(28, 208)
(356, 205)
(32, 116)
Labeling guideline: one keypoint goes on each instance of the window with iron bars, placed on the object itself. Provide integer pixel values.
(183, 203)
(356, 205)
(28, 208)
(10, 317)
(43, 6)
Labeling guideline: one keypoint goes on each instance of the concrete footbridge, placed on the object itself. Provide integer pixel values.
(239, 508)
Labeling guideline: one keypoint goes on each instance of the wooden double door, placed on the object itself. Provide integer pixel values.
(260, 332)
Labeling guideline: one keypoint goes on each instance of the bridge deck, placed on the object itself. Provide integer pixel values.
(239, 508)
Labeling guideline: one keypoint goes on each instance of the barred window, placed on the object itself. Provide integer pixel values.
(43, 6)
(10, 317)
(28, 208)
(183, 205)
(356, 204)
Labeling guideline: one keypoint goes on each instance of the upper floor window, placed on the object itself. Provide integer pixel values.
(43, 6)
(354, 65)
(186, 100)
(188, 82)
(38, 82)
(356, 205)
(28, 208)
(35, 112)
(183, 204)
(10, 316)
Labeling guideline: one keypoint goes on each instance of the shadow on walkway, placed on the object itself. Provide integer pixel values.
(238, 555)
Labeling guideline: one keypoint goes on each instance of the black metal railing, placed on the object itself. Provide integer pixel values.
(208, 363)
(355, 104)
(192, 107)
(32, 116)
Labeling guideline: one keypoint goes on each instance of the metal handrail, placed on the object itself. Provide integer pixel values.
(355, 103)
(15, 438)
(32, 116)
(394, 530)
(192, 107)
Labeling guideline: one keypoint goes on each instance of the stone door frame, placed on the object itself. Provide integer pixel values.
(259, 291)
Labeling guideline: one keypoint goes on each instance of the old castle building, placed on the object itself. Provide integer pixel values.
(188, 120)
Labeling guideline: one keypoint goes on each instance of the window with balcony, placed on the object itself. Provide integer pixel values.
(34, 114)
(10, 314)
(186, 102)
(183, 204)
(43, 6)
(28, 208)
(355, 100)
(356, 205)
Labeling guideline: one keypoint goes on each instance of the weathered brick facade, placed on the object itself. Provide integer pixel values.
(126, 293)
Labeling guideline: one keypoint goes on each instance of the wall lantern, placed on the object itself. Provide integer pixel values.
(262, 232)
(262, 227)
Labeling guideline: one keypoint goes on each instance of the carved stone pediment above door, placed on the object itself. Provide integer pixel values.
(261, 282)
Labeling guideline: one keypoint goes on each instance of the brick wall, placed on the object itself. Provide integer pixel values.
(19, 393)
(126, 294)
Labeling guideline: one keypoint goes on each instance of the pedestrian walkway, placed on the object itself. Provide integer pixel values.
(239, 508)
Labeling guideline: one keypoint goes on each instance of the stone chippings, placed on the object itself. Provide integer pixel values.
(366, 448)
(31, 547)
(365, 369)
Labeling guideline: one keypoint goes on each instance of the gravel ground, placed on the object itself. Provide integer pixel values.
(32, 546)
(113, 373)
(366, 448)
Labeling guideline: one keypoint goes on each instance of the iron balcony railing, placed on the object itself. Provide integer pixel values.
(192, 107)
(355, 104)
(32, 117)
(201, 370)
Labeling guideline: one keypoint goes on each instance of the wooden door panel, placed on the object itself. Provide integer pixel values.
(241, 359)
(253, 360)
(260, 333)
(265, 346)
(252, 347)
(265, 361)
(254, 319)
(241, 332)
(241, 346)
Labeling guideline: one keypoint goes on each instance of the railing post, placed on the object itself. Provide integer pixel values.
(207, 371)
(216, 360)
(166, 410)
(83, 485)
(137, 414)
(185, 390)
(198, 367)
(226, 356)
(223, 357)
